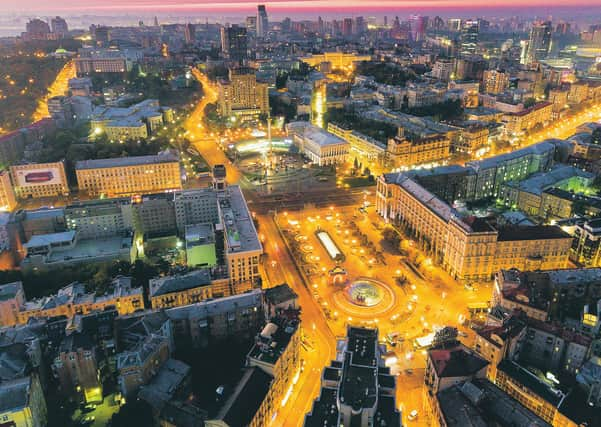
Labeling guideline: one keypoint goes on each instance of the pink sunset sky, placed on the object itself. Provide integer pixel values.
(279, 5)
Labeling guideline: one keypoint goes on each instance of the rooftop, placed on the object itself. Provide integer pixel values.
(273, 340)
(14, 394)
(247, 398)
(493, 162)
(481, 403)
(536, 232)
(170, 284)
(279, 294)
(165, 384)
(121, 162)
(456, 362)
(530, 381)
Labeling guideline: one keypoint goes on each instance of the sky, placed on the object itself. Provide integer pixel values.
(277, 6)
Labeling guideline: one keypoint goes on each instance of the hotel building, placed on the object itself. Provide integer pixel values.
(242, 96)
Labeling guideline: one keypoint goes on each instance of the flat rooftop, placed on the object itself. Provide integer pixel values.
(241, 233)
(120, 162)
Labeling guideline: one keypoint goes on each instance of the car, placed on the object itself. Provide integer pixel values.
(413, 415)
(88, 408)
(87, 420)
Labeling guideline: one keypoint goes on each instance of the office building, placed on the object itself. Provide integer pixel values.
(234, 43)
(539, 43)
(242, 96)
(262, 22)
(57, 250)
(466, 246)
(128, 176)
(407, 152)
(446, 367)
(251, 24)
(470, 34)
(338, 60)
(250, 402)
(356, 389)
(102, 61)
(361, 145)
(190, 33)
(135, 122)
(319, 145)
(37, 180)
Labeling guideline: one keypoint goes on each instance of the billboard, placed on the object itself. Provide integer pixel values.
(42, 175)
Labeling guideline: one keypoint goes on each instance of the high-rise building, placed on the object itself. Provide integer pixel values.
(242, 96)
(36, 29)
(418, 27)
(59, 27)
(359, 25)
(262, 21)
(251, 24)
(190, 33)
(356, 389)
(347, 27)
(234, 42)
(319, 106)
(539, 43)
(469, 36)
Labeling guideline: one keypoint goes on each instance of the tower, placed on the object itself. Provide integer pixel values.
(539, 43)
(262, 21)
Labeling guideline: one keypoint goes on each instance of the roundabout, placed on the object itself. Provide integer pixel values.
(365, 297)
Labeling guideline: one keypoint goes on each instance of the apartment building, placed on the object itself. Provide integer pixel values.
(23, 402)
(69, 301)
(144, 343)
(77, 367)
(495, 81)
(198, 325)
(523, 121)
(128, 176)
(189, 288)
(277, 352)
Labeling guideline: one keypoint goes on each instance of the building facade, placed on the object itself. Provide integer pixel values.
(129, 175)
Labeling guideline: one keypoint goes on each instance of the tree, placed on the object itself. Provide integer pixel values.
(391, 237)
(530, 102)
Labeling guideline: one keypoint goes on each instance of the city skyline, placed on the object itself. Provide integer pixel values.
(277, 6)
